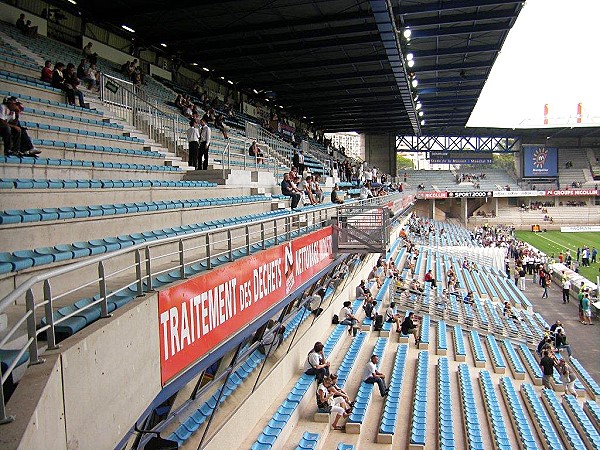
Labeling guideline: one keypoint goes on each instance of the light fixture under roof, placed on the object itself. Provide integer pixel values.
(73, 2)
(194, 64)
(409, 56)
(162, 44)
(411, 63)
(420, 113)
(222, 78)
(407, 33)
(126, 28)
(230, 82)
(423, 122)
(414, 82)
(206, 69)
(418, 106)
(255, 91)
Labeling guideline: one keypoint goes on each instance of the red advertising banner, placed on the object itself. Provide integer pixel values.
(199, 314)
(573, 192)
(432, 194)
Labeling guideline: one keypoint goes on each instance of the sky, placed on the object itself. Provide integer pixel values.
(550, 56)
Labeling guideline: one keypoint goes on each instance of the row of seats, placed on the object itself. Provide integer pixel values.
(26, 81)
(349, 360)
(55, 115)
(392, 402)
(514, 361)
(582, 422)
(363, 396)
(593, 411)
(84, 163)
(535, 372)
(442, 341)
(460, 352)
(53, 103)
(469, 407)
(24, 259)
(70, 212)
(308, 441)
(185, 430)
(540, 419)
(96, 148)
(496, 354)
(524, 432)
(418, 428)
(494, 413)
(477, 348)
(424, 338)
(446, 439)
(592, 387)
(563, 424)
(24, 183)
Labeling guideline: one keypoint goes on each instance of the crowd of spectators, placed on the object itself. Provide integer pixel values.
(469, 177)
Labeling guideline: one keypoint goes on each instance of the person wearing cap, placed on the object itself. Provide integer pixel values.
(15, 137)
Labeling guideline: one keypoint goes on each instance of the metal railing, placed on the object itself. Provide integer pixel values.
(126, 101)
(104, 278)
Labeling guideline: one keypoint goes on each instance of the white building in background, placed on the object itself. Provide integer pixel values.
(350, 141)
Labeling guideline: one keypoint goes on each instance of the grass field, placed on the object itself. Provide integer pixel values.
(554, 242)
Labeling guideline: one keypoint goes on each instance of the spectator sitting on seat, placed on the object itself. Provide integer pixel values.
(392, 316)
(429, 278)
(305, 188)
(288, 190)
(410, 326)
(392, 271)
(316, 364)
(469, 298)
(327, 402)
(271, 339)
(369, 307)
(47, 72)
(89, 54)
(561, 342)
(362, 290)
(314, 301)
(373, 276)
(86, 74)
(14, 136)
(346, 317)
(373, 376)
(255, 152)
(61, 80)
(338, 391)
(316, 188)
(335, 195)
(365, 191)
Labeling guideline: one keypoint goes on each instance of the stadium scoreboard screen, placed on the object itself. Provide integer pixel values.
(540, 161)
(445, 157)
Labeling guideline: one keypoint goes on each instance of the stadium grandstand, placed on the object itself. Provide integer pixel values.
(187, 259)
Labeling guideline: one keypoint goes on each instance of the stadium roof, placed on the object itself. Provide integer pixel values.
(337, 62)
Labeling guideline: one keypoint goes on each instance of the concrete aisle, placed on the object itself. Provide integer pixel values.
(584, 339)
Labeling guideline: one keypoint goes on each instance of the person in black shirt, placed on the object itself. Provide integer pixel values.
(410, 327)
(288, 190)
(547, 365)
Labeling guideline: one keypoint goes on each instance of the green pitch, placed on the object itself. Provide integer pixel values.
(554, 242)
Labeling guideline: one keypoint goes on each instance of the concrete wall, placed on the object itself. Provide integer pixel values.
(89, 392)
(380, 151)
(10, 14)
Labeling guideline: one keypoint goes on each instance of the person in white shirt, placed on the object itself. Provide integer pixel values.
(193, 137)
(315, 362)
(372, 376)
(365, 192)
(346, 317)
(566, 286)
(204, 144)
(392, 317)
